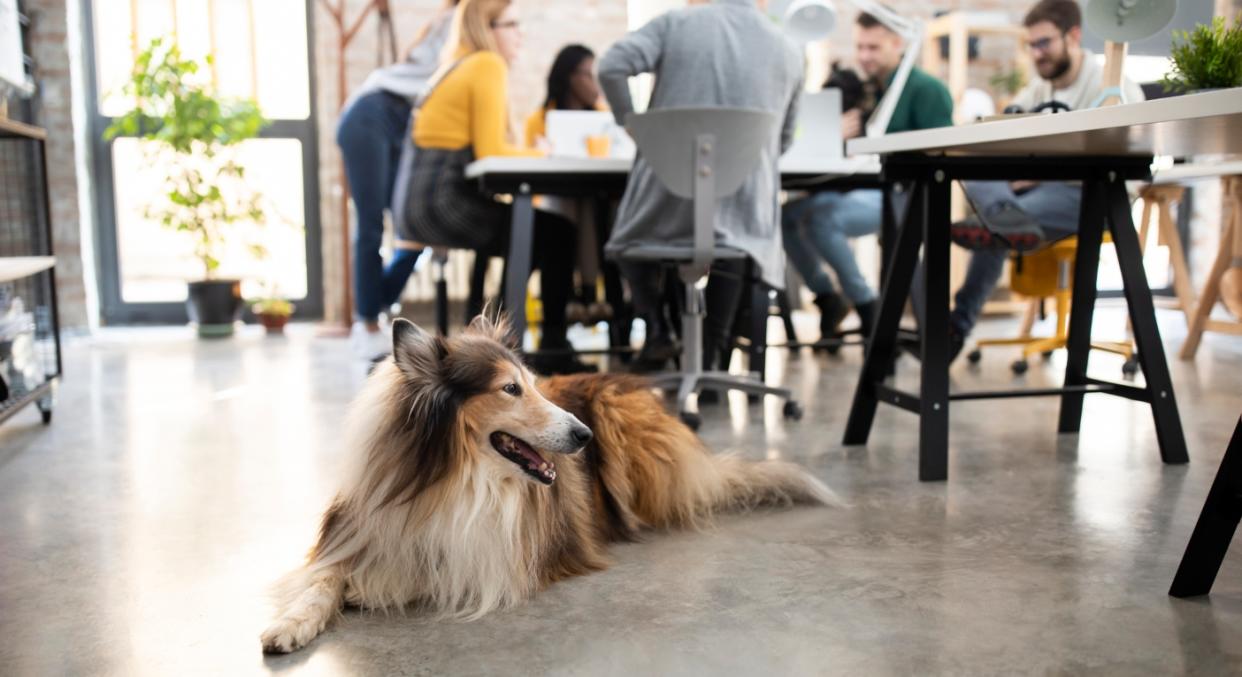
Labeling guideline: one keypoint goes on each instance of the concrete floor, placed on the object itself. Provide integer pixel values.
(138, 533)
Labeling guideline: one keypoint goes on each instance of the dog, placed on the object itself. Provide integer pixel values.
(471, 485)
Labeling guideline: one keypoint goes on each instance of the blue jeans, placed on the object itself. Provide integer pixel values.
(818, 228)
(370, 135)
(1054, 205)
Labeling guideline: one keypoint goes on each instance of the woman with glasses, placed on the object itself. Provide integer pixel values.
(464, 117)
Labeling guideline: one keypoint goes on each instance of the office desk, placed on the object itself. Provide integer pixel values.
(603, 180)
(1102, 148)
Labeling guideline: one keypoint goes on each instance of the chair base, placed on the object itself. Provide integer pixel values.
(692, 378)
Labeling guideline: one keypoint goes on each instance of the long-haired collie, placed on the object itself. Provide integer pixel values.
(471, 485)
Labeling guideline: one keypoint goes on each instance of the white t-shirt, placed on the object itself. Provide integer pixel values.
(1079, 95)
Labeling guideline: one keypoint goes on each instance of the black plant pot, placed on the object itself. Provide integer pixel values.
(214, 305)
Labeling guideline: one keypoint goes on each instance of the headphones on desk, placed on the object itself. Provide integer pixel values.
(1054, 106)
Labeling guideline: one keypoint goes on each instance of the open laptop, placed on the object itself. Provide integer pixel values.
(567, 132)
(818, 132)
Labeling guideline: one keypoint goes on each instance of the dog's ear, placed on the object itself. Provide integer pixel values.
(494, 325)
(482, 324)
(414, 350)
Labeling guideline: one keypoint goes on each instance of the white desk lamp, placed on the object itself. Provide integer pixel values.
(809, 20)
(1120, 22)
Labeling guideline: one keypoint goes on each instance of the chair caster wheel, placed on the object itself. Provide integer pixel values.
(692, 419)
(792, 411)
(1047, 354)
(752, 398)
(1131, 367)
(974, 356)
(833, 348)
(1019, 367)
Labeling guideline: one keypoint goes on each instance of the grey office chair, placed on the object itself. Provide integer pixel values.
(701, 154)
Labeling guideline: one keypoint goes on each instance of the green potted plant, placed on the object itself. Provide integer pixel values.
(1007, 83)
(273, 313)
(194, 132)
(1210, 57)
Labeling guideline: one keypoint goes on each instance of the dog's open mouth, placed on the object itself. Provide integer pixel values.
(524, 456)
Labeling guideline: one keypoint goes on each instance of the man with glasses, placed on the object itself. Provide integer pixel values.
(818, 228)
(1025, 215)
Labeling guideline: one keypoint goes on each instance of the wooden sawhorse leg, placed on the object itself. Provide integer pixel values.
(1232, 186)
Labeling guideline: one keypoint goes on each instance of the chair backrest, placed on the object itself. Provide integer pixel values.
(666, 140)
(702, 154)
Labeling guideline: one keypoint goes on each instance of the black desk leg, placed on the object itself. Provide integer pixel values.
(888, 226)
(517, 268)
(1151, 357)
(883, 340)
(1091, 216)
(934, 386)
(760, 302)
(1217, 523)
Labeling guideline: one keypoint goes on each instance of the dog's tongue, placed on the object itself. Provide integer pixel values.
(536, 461)
(532, 457)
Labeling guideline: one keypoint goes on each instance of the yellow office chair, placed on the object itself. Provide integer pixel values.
(1041, 274)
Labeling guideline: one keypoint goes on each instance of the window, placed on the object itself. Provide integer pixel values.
(258, 49)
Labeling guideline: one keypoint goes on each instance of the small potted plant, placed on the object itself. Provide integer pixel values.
(1007, 83)
(1210, 57)
(194, 132)
(273, 314)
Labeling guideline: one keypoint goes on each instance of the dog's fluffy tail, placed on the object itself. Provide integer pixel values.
(313, 596)
(740, 484)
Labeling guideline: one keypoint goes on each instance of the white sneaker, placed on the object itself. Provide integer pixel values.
(368, 345)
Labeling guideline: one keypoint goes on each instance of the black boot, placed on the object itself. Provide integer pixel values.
(563, 361)
(832, 309)
(658, 347)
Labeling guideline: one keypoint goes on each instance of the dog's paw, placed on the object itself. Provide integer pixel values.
(289, 634)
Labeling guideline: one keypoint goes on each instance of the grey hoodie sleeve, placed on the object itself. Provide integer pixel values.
(636, 53)
(790, 125)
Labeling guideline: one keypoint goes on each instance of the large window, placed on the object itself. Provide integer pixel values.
(259, 49)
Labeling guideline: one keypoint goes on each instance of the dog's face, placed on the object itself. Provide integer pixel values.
(515, 425)
(507, 423)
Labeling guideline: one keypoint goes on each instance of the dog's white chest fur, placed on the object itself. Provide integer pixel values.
(466, 558)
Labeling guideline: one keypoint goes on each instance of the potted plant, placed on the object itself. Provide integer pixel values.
(1210, 57)
(273, 313)
(194, 132)
(1008, 84)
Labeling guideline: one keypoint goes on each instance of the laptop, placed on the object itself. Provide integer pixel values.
(567, 131)
(817, 135)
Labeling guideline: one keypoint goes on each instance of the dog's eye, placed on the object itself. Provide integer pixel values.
(513, 389)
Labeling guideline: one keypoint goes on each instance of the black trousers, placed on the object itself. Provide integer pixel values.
(726, 284)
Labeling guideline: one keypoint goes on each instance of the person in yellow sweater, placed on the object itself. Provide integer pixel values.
(465, 117)
(571, 86)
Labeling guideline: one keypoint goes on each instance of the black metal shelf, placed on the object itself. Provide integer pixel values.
(30, 350)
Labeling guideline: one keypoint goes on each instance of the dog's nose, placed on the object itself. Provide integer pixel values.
(581, 435)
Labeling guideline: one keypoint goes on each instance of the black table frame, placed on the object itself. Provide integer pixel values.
(926, 224)
(603, 188)
(1217, 523)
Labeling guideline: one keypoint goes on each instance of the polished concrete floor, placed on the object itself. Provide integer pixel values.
(138, 532)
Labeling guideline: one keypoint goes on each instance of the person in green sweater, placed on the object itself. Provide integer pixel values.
(817, 229)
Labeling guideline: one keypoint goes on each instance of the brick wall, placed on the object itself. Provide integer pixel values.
(50, 47)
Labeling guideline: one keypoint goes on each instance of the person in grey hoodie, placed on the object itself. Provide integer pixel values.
(725, 54)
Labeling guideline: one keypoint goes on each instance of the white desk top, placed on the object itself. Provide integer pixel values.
(525, 165)
(1196, 170)
(1197, 124)
(17, 267)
